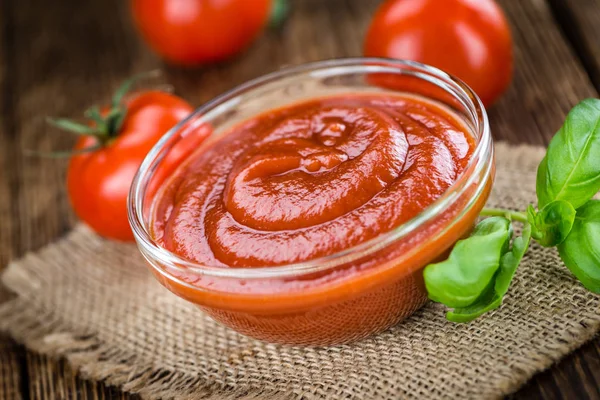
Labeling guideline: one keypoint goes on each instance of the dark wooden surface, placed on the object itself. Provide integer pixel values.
(56, 58)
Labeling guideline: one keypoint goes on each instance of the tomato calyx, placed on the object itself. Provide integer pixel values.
(103, 126)
(279, 12)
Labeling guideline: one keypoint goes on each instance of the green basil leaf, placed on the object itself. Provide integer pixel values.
(581, 249)
(494, 293)
(570, 170)
(488, 301)
(511, 260)
(464, 277)
(554, 222)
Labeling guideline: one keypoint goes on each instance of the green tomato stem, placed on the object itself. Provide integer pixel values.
(501, 212)
(105, 127)
(279, 12)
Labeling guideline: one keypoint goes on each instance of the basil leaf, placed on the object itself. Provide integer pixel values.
(486, 302)
(570, 170)
(464, 277)
(492, 297)
(553, 223)
(581, 249)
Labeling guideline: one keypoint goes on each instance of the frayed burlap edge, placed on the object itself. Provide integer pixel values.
(41, 332)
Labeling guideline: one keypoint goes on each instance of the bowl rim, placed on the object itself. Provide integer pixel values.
(481, 159)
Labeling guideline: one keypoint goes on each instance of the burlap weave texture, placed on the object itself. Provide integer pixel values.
(94, 302)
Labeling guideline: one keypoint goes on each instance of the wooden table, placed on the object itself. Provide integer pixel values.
(56, 58)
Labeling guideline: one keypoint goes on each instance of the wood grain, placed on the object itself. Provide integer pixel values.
(576, 377)
(50, 379)
(580, 21)
(11, 356)
(8, 183)
(548, 79)
(55, 64)
(11, 362)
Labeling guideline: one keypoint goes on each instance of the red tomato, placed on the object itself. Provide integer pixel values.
(192, 32)
(98, 181)
(466, 38)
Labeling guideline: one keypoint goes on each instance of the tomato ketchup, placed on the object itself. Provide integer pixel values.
(311, 180)
(306, 183)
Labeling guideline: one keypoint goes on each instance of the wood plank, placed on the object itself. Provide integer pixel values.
(79, 60)
(11, 355)
(576, 377)
(56, 380)
(548, 78)
(8, 186)
(580, 22)
(63, 65)
(11, 363)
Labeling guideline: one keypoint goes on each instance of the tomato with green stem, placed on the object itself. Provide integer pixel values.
(467, 38)
(111, 149)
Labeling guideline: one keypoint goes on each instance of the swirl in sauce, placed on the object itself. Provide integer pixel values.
(310, 180)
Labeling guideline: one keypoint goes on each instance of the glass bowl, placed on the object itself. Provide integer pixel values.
(344, 296)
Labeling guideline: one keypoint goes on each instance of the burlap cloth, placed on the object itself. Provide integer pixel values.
(94, 302)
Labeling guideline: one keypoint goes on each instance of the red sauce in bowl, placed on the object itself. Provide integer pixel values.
(308, 181)
(311, 180)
